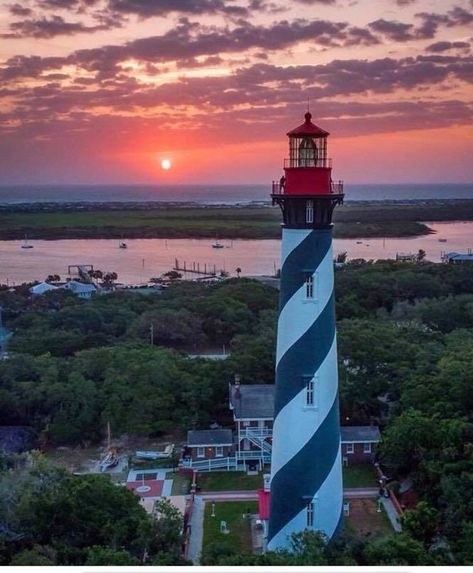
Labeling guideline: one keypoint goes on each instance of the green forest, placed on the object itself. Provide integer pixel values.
(405, 340)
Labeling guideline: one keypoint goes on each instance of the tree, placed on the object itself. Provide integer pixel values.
(53, 278)
(37, 556)
(420, 255)
(172, 275)
(397, 549)
(407, 441)
(103, 556)
(421, 523)
(238, 271)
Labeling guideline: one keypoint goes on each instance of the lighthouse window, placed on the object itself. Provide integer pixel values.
(309, 212)
(307, 152)
(309, 393)
(309, 287)
(310, 514)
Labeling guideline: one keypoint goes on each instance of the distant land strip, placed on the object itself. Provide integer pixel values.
(53, 221)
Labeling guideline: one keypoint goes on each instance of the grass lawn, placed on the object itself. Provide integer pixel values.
(180, 483)
(232, 512)
(359, 476)
(228, 481)
(365, 522)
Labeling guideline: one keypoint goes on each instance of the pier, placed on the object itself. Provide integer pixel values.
(81, 270)
(204, 270)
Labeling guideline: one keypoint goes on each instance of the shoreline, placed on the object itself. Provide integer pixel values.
(188, 220)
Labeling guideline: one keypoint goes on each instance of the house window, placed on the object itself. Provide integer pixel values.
(246, 423)
(309, 212)
(310, 514)
(367, 448)
(218, 451)
(201, 452)
(309, 287)
(350, 448)
(309, 393)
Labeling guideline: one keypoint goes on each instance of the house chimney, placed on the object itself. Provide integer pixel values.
(237, 386)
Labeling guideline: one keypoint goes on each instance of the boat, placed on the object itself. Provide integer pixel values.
(122, 245)
(155, 455)
(217, 245)
(442, 240)
(26, 245)
(110, 460)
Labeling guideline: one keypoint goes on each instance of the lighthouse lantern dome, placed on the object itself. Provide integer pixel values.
(307, 145)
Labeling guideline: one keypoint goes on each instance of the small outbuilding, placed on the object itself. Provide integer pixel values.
(82, 290)
(209, 444)
(42, 288)
(359, 444)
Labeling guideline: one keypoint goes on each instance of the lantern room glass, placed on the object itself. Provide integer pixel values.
(306, 151)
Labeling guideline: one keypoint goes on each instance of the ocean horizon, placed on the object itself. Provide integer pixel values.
(218, 194)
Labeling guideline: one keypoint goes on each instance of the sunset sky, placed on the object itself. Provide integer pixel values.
(101, 91)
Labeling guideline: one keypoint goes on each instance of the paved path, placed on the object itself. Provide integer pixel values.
(391, 513)
(243, 495)
(360, 492)
(197, 519)
(349, 493)
(197, 530)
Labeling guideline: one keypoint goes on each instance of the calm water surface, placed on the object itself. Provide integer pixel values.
(146, 258)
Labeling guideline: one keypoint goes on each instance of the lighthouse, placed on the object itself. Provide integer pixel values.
(306, 472)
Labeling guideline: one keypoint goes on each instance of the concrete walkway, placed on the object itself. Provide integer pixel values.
(244, 495)
(197, 530)
(391, 513)
(197, 518)
(360, 492)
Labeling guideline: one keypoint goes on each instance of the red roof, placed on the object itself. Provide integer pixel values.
(308, 128)
(263, 503)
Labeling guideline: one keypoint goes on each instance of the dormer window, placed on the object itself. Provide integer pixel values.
(309, 212)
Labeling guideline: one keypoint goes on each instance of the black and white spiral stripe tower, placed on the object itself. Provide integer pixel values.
(306, 473)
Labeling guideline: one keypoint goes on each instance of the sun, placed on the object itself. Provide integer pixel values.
(166, 164)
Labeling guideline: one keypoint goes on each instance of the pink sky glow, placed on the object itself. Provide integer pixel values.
(101, 91)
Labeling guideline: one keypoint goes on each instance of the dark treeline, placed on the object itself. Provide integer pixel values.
(405, 338)
(76, 365)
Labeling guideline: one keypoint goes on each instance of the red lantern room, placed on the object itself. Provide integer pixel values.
(308, 173)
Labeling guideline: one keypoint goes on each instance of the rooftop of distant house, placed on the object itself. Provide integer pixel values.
(252, 401)
(360, 434)
(220, 437)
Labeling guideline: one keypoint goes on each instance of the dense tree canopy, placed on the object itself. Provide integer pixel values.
(405, 337)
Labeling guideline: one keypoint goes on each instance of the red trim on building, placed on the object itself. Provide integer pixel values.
(263, 503)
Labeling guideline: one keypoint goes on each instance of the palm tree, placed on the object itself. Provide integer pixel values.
(238, 271)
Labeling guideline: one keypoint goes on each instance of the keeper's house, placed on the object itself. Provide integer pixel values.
(247, 446)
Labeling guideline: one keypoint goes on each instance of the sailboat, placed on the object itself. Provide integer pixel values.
(26, 245)
(216, 244)
(110, 459)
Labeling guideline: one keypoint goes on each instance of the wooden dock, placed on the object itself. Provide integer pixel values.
(205, 270)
